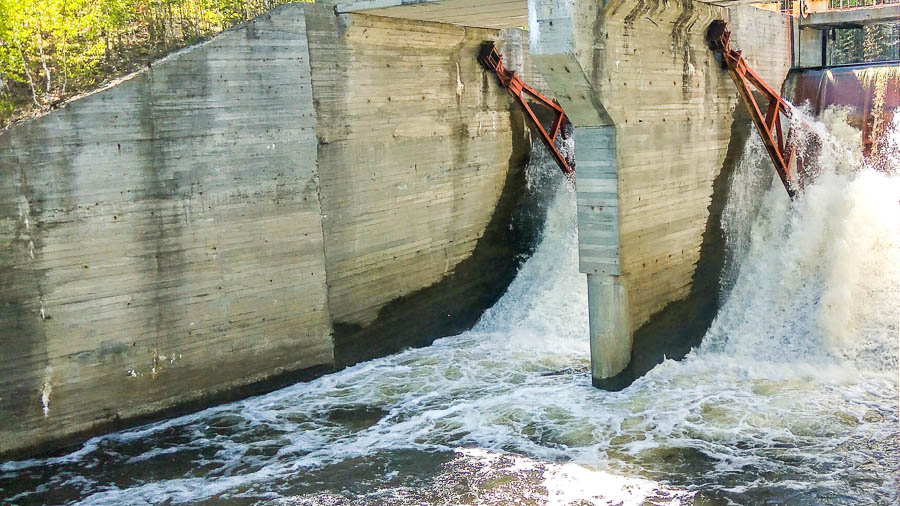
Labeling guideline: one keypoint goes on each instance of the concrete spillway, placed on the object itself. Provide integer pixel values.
(318, 187)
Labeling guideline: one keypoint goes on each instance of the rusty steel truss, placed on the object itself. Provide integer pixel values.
(773, 124)
(492, 60)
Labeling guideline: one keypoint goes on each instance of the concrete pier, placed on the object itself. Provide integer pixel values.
(611, 337)
(653, 115)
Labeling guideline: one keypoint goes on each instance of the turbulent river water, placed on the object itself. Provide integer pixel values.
(792, 397)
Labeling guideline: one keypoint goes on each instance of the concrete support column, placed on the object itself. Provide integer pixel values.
(563, 48)
(809, 46)
(610, 325)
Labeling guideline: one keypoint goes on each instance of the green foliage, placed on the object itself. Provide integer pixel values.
(53, 49)
(7, 108)
(871, 43)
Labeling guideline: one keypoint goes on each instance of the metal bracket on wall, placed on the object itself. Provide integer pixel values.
(775, 136)
(492, 60)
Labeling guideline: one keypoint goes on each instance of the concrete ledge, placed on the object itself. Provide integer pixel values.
(474, 13)
(364, 5)
(852, 17)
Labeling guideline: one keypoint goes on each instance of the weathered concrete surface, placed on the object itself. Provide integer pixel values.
(673, 108)
(668, 109)
(608, 318)
(416, 142)
(476, 13)
(161, 240)
(240, 214)
(189, 235)
(808, 46)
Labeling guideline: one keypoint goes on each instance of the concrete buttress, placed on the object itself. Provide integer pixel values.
(556, 41)
(653, 116)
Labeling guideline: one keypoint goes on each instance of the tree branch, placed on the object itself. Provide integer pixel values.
(40, 39)
(34, 92)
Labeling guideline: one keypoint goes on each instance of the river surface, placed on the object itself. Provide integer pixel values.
(791, 399)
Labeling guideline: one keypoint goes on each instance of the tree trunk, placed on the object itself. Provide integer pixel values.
(43, 61)
(34, 92)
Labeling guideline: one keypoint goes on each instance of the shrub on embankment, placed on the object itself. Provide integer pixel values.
(52, 50)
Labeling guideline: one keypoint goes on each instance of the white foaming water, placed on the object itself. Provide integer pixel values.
(821, 277)
(792, 395)
(751, 178)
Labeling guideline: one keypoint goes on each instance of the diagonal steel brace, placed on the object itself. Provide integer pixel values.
(492, 60)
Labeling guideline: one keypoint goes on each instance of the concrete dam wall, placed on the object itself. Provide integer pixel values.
(297, 194)
(312, 189)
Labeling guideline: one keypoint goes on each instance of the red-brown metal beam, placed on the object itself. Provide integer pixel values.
(492, 60)
(778, 145)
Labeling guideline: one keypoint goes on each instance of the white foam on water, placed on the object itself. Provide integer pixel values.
(821, 278)
(569, 483)
(794, 388)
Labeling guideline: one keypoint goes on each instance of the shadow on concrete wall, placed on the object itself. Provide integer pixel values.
(454, 304)
(672, 332)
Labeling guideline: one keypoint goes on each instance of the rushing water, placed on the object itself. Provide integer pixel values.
(792, 397)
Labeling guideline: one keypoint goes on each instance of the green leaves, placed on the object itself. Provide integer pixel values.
(877, 42)
(46, 44)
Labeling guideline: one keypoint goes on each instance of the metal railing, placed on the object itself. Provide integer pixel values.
(788, 5)
(853, 4)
